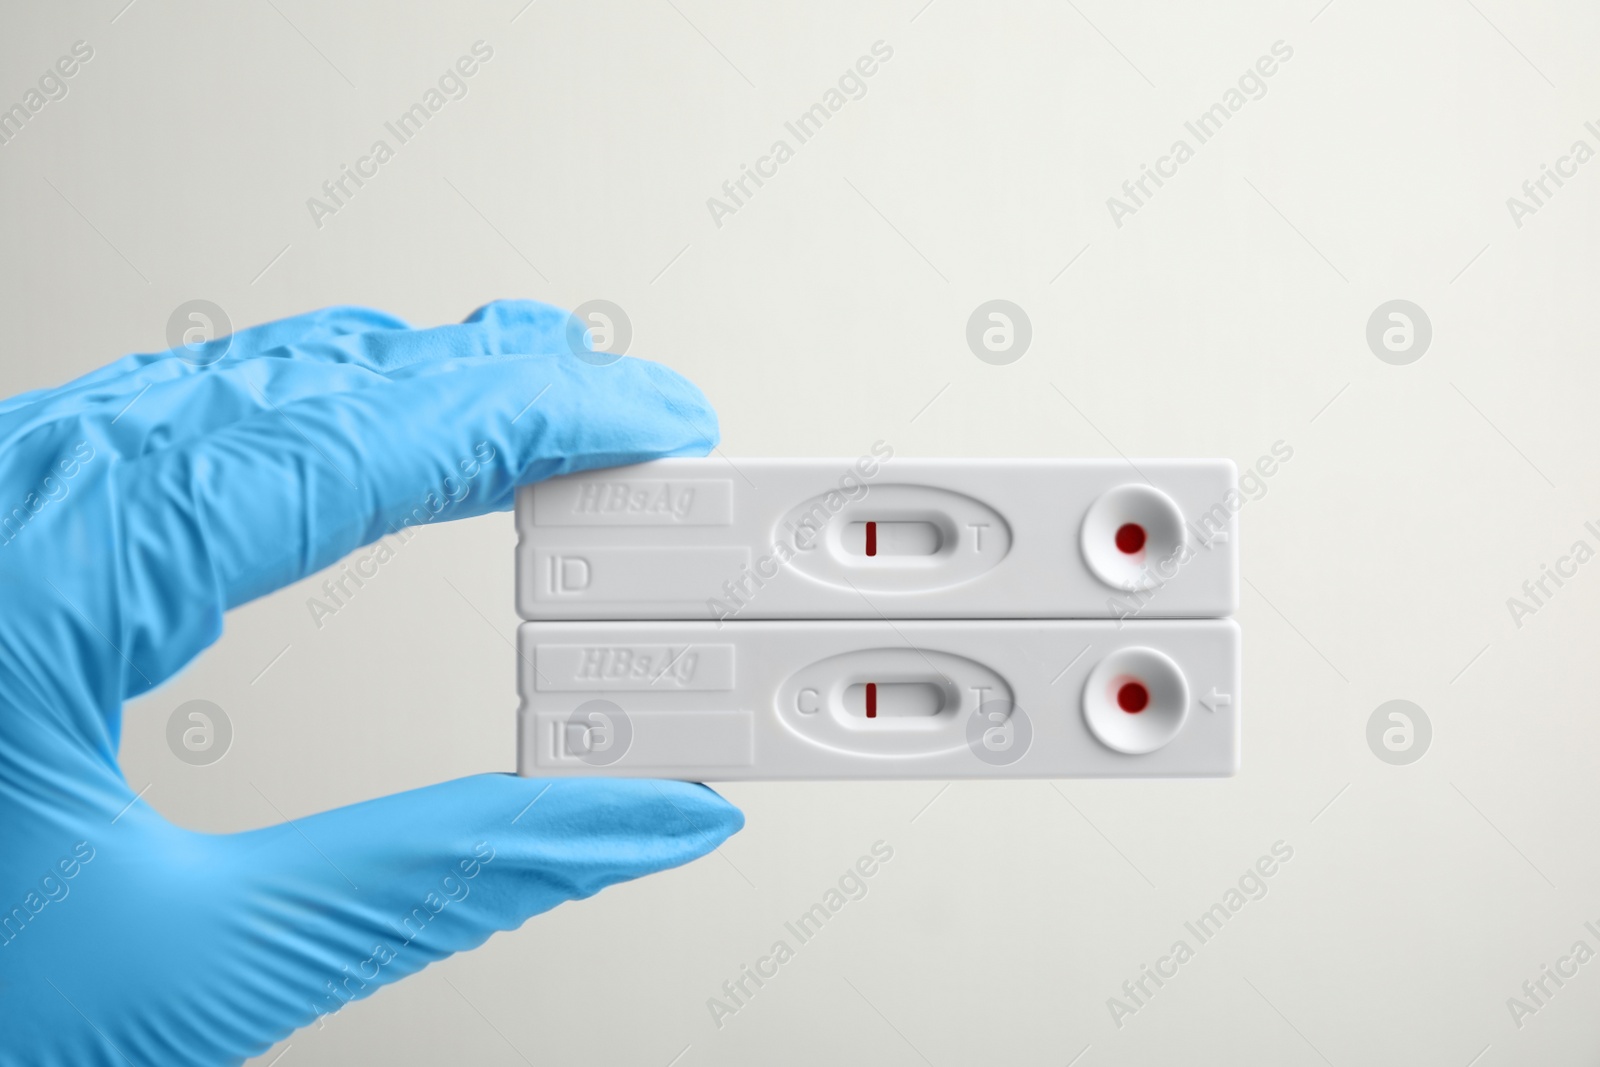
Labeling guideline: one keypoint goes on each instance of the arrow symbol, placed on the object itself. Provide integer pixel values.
(1213, 700)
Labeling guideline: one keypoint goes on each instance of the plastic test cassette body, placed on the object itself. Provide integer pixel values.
(875, 537)
(880, 618)
(875, 699)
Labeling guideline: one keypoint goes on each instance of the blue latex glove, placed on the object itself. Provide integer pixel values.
(139, 503)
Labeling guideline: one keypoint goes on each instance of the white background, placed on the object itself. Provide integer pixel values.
(1227, 314)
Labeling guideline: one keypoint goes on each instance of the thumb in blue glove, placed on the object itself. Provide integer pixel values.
(137, 505)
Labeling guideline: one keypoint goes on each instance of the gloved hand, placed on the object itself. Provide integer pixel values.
(143, 500)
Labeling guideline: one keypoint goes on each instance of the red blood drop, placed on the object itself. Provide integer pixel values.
(1133, 697)
(1130, 537)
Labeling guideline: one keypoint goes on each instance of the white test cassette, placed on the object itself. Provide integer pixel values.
(881, 537)
(880, 699)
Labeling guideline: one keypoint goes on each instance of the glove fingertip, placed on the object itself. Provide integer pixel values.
(708, 810)
(684, 400)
